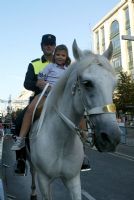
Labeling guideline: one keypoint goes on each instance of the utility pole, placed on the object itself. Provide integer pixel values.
(9, 107)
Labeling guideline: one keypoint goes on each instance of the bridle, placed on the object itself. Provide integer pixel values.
(105, 109)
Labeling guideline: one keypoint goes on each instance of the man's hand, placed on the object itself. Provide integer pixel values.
(41, 84)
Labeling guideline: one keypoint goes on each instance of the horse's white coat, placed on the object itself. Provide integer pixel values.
(56, 151)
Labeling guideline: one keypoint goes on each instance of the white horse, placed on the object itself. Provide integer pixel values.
(56, 148)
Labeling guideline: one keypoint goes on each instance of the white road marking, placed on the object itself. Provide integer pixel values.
(87, 195)
(122, 155)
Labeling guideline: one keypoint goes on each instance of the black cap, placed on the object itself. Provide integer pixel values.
(48, 39)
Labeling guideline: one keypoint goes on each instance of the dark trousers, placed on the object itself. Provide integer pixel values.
(20, 154)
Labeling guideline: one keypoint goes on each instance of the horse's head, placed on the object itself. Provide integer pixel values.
(96, 82)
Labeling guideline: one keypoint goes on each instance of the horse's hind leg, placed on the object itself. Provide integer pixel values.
(32, 171)
(44, 186)
(74, 187)
(33, 186)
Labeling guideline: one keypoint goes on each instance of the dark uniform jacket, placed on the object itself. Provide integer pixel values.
(31, 76)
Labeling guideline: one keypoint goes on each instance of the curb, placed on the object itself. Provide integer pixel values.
(2, 191)
(2, 194)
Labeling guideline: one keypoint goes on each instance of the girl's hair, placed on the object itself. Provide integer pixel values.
(62, 47)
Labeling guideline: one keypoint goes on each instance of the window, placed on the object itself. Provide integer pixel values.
(97, 42)
(103, 39)
(115, 38)
(129, 43)
(116, 61)
(114, 28)
(127, 21)
(116, 44)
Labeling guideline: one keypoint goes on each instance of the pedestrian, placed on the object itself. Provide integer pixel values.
(1, 125)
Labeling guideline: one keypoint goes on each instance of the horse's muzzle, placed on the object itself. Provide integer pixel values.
(107, 142)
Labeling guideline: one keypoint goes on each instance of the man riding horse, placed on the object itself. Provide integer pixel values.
(48, 44)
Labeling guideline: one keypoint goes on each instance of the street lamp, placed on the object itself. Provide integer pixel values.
(127, 37)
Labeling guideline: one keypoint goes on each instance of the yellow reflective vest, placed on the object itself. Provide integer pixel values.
(39, 65)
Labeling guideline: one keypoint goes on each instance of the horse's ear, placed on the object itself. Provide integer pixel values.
(76, 50)
(108, 53)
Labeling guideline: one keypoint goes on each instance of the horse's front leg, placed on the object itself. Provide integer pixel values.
(44, 186)
(74, 187)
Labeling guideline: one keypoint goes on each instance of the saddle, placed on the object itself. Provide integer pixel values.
(37, 113)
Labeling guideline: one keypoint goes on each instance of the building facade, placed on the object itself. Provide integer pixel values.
(118, 22)
(22, 100)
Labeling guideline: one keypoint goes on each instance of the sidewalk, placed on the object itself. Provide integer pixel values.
(126, 145)
(130, 136)
(2, 192)
(127, 134)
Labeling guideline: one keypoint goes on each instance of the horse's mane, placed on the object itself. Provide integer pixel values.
(80, 65)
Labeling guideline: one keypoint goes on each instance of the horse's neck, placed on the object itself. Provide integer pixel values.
(65, 106)
(61, 99)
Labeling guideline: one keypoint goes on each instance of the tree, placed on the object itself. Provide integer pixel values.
(124, 94)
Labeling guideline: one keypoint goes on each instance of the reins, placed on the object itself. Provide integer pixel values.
(43, 92)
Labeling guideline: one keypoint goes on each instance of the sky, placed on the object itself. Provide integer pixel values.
(22, 24)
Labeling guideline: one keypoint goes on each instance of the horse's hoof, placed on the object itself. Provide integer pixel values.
(33, 197)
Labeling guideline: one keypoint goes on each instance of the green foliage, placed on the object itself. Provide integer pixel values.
(124, 95)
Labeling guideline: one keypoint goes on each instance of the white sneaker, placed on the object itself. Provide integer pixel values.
(19, 144)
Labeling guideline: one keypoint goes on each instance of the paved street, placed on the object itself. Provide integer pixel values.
(111, 177)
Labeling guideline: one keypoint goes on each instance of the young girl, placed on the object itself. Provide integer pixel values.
(50, 74)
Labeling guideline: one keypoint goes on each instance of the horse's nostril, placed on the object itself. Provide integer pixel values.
(105, 137)
(106, 143)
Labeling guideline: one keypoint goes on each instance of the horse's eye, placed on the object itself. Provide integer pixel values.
(88, 84)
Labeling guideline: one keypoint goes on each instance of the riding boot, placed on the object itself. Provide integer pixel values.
(20, 163)
(20, 167)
